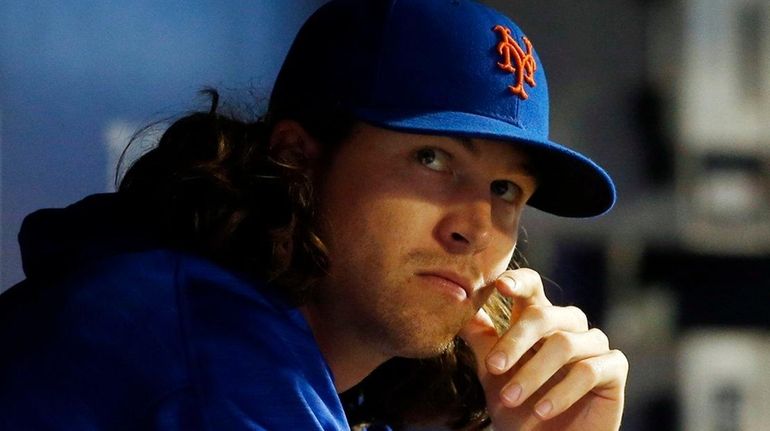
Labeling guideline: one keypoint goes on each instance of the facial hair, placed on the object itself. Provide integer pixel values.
(423, 324)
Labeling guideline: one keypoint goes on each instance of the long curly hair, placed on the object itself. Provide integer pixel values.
(213, 186)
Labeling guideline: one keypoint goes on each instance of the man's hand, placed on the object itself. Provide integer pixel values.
(548, 371)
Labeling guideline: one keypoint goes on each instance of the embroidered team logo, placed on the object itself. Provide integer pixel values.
(516, 61)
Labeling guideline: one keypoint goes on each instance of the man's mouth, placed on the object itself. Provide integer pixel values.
(452, 282)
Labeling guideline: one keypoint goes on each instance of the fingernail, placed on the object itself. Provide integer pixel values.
(497, 361)
(511, 394)
(544, 408)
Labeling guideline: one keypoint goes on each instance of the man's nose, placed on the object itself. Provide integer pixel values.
(467, 227)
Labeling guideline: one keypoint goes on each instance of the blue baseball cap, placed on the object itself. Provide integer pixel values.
(442, 67)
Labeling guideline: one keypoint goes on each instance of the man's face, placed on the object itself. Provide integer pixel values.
(417, 227)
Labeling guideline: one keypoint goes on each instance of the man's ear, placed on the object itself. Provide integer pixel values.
(291, 143)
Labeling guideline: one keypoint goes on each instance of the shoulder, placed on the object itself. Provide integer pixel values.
(126, 330)
(255, 355)
(94, 346)
(144, 297)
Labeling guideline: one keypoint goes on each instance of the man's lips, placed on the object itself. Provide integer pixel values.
(452, 278)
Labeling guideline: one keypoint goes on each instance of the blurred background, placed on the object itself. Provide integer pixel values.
(671, 96)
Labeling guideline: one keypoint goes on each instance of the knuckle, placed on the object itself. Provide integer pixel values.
(579, 316)
(534, 313)
(622, 359)
(565, 342)
(601, 338)
(587, 370)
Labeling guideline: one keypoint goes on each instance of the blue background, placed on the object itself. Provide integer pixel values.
(69, 69)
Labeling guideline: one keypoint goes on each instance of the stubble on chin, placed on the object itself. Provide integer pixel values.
(419, 324)
(396, 316)
(421, 329)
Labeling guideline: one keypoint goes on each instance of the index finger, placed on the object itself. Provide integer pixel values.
(524, 286)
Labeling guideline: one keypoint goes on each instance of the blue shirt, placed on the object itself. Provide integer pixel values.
(159, 340)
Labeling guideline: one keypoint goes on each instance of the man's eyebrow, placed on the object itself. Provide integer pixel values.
(525, 168)
(467, 143)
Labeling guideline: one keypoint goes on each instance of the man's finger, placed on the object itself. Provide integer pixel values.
(480, 335)
(534, 324)
(604, 375)
(524, 286)
(559, 349)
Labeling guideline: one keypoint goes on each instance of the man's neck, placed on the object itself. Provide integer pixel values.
(349, 359)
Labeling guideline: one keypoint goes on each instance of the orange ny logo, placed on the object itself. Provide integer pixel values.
(516, 61)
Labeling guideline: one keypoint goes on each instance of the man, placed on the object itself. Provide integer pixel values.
(354, 241)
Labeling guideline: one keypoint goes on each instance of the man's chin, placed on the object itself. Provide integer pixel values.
(429, 349)
(423, 333)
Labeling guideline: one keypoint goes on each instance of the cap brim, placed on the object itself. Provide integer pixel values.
(569, 183)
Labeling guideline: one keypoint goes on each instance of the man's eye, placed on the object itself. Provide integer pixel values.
(433, 158)
(506, 190)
